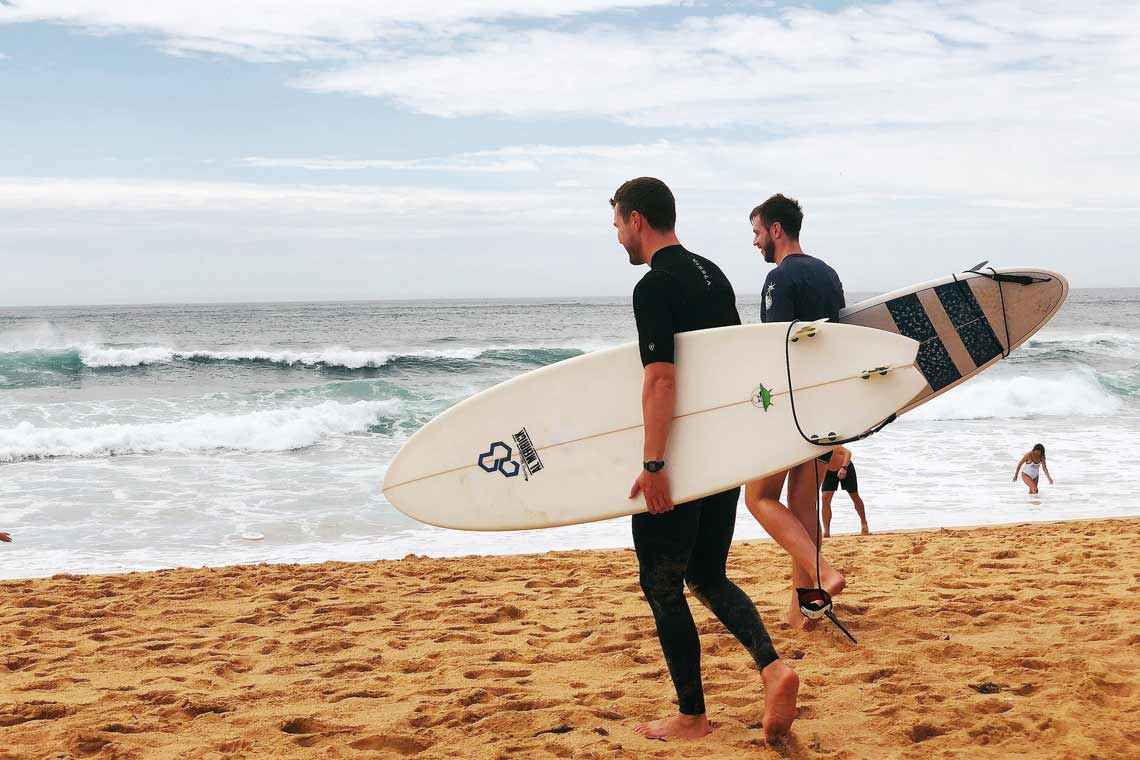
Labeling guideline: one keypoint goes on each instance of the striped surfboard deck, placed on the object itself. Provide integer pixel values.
(966, 322)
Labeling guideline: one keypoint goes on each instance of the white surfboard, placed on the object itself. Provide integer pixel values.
(563, 444)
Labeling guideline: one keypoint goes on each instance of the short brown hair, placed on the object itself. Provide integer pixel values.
(649, 197)
(782, 209)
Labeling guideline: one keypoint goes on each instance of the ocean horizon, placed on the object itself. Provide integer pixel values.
(141, 437)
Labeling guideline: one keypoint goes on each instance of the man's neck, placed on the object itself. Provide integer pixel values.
(793, 249)
(658, 243)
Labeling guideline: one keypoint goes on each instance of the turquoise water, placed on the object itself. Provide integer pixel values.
(156, 436)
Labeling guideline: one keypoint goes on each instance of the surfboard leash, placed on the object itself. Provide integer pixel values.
(999, 278)
(815, 602)
(795, 418)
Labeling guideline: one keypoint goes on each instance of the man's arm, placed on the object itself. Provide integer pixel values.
(658, 393)
(658, 399)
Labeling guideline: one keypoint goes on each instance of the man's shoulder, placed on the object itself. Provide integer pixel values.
(815, 263)
(653, 283)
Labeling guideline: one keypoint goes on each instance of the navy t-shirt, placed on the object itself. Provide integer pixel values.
(681, 292)
(802, 287)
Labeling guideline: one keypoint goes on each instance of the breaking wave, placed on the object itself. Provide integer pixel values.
(263, 431)
(1078, 393)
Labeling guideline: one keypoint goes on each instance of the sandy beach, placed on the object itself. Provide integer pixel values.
(990, 642)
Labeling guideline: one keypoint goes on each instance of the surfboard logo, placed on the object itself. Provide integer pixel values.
(499, 458)
(527, 452)
(761, 397)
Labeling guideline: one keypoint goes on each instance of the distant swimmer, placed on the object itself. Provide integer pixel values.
(5, 538)
(841, 472)
(1033, 463)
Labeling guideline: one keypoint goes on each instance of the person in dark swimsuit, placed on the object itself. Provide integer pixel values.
(841, 472)
(685, 543)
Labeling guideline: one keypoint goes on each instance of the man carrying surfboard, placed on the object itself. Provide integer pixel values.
(801, 287)
(688, 542)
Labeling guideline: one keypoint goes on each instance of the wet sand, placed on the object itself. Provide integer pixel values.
(989, 642)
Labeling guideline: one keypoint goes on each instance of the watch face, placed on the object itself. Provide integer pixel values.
(653, 466)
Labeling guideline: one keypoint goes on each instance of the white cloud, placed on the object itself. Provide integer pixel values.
(264, 30)
(472, 162)
(903, 62)
(145, 196)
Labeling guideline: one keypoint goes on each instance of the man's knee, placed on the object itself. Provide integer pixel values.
(706, 585)
(663, 586)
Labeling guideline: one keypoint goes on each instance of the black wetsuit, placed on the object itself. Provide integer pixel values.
(682, 292)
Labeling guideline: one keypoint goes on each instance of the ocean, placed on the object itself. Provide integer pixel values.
(145, 437)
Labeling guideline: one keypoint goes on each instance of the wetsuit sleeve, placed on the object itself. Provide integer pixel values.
(654, 320)
(779, 298)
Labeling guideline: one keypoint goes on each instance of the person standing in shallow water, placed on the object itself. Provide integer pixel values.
(685, 543)
(1033, 462)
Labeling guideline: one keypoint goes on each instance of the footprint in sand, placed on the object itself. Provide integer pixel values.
(403, 745)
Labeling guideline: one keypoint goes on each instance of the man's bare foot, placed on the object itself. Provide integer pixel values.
(795, 619)
(834, 582)
(864, 530)
(679, 726)
(826, 533)
(781, 685)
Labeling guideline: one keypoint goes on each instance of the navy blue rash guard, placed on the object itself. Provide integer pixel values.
(802, 287)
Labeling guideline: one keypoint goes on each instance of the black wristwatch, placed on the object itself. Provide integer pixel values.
(654, 465)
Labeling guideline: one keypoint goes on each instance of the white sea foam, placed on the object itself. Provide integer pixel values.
(1075, 394)
(265, 431)
(100, 356)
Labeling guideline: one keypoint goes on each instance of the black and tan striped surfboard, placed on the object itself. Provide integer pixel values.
(964, 322)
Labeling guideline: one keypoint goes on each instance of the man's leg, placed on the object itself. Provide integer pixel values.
(763, 500)
(804, 481)
(861, 510)
(710, 584)
(664, 544)
(827, 497)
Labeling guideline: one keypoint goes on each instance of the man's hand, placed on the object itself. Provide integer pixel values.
(655, 486)
(842, 473)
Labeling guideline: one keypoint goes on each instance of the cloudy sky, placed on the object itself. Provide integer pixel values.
(196, 150)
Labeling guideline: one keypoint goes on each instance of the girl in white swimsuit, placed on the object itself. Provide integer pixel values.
(1033, 463)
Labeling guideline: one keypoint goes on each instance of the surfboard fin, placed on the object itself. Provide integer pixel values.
(806, 330)
(880, 371)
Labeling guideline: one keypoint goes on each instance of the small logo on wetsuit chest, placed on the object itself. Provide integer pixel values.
(768, 295)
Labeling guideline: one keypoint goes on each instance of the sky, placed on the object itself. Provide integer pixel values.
(195, 150)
